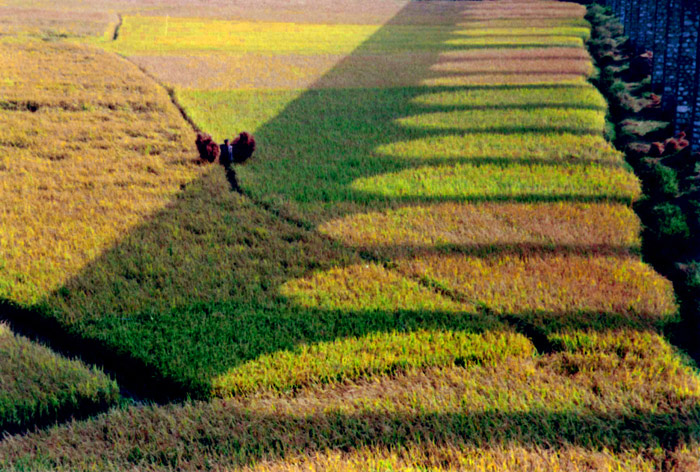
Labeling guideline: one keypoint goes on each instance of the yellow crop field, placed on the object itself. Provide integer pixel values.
(554, 285)
(481, 228)
(140, 34)
(87, 153)
(431, 262)
(148, 34)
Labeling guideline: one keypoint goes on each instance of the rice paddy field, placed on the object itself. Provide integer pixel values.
(433, 262)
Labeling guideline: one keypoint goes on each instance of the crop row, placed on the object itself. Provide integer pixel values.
(163, 34)
(606, 399)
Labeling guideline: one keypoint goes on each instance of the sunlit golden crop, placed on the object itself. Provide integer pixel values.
(433, 263)
(554, 285)
(193, 35)
(90, 147)
(516, 181)
(485, 228)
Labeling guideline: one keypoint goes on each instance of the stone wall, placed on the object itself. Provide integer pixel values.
(671, 30)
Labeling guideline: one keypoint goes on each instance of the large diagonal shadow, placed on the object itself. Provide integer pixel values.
(324, 140)
(327, 138)
(195, 291)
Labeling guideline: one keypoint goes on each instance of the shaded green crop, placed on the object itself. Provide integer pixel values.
(37, 385)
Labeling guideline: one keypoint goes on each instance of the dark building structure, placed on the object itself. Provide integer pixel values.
(671, 30)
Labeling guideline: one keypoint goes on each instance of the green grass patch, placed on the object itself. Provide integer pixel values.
(320, 149)
(37, 385)
(529, 183)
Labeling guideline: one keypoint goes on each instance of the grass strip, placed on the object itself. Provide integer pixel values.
(37, 386)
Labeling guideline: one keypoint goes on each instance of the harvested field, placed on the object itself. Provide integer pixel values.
(217, 71)
(98, 18)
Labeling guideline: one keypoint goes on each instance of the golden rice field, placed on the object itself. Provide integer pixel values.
(433, 263)
(90, 148)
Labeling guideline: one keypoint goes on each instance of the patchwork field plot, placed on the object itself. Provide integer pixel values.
(36, 385)
(603, 400)
(433, 262)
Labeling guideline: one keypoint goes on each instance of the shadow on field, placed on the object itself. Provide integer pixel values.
(232, 435)
(251, 438)
(196, 291)
(325, 140)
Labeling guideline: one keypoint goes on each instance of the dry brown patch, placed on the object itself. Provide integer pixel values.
(35, 20)
(299, 71)
(244, 71)
(521, 10)
(97, 16)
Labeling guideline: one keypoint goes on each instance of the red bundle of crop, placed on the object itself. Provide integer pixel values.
(207, 147)
(675, 144)
(243, 147)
